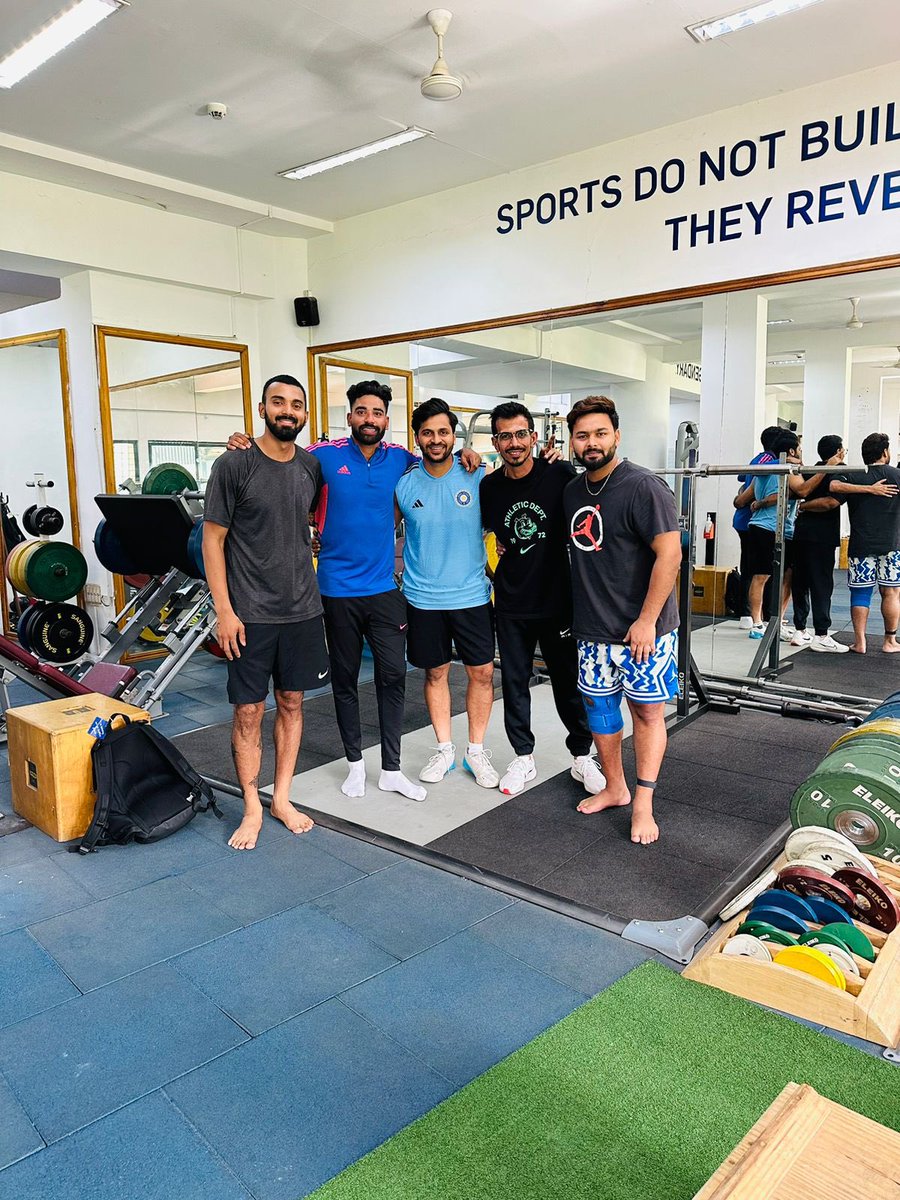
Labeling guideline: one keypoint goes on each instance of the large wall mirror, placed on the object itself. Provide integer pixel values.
(336, 375)
(166, 399)
(820, 355)
(36, 443)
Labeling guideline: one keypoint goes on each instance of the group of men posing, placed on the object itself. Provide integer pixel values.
(812, 533)
(586, 571)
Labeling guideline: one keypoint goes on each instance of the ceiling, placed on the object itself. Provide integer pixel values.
(120, 111)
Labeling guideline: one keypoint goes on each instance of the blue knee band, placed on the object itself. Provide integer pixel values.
(603, 713)
(861, 597)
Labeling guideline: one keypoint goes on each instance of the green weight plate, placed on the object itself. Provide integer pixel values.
(887, 726)
(855, 792)
(168, 478)
(853, 938)
(817, 936)
(53, 571)
(767, 933)
(59, 633)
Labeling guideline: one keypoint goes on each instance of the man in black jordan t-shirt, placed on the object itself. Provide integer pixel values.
(521, 504)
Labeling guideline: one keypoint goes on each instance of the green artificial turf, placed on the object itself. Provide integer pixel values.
(638, 1095)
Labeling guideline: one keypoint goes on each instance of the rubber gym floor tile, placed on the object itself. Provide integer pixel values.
(731, 793)
(30, 981)
(208, 750)
(355, 851)
(518, 845)
(632, 882)
(318, 1092)
(814, 736)
(463, 1005)
(578, 955)
(147, 1149)
(114, 869)
(174, 725)
(128, 932)
(411, 906)
(32, 891)
(207, 714)
(25, 846)
(76, 1063)
(209, 826)
(18, 1137)
(250, 885)
(279, 967)
(784, 762)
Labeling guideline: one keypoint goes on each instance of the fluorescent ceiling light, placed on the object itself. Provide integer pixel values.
(797, 361)
(55, 36)
(781, 321)
(705, 31)
(348, 156)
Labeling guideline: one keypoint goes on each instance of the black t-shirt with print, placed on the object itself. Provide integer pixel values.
(527, 517)
(874, 520)
(610, 532)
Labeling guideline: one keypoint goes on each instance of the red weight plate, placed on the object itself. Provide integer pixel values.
(873, 903)
(211, 646)
(807, 881)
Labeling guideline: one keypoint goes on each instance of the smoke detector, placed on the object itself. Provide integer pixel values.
(440, 84)
(854, 322)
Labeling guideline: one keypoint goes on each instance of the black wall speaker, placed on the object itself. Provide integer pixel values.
(306, 310)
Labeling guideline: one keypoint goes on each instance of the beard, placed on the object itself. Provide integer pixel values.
(595, 460)
(438, 454)
(284, 430)
(368, 436)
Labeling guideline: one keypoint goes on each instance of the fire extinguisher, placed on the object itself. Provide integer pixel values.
(709, 529)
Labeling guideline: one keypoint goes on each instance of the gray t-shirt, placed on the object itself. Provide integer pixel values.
(264, 504)
(610, 532)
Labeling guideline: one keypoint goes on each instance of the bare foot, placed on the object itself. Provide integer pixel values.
(644, 829)
(858, 648)
(296, 821)
(891, 646)
(605, 799)
(244, 837)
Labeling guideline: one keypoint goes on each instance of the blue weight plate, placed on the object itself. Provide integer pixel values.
(781, 919)
(827, 912)
(786, 900)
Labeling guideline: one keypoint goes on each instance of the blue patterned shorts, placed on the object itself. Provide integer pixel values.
(606, 669)
(882, 570)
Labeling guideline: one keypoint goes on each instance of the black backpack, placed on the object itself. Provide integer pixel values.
(146, 789)
(733, 592)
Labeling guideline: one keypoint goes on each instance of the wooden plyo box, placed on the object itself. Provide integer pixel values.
(708, 593)
(50, 760)
(805, 1147)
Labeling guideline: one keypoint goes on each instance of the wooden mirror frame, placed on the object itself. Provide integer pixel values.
(319, 408)
(29, 339)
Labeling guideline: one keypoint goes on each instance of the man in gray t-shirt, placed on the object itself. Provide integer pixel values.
(256, 551)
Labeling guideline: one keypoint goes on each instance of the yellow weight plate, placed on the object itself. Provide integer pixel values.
(18, 575)
(812, 962)
(888, 725)
(11, 562)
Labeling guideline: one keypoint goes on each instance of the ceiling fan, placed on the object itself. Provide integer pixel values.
(440, 83)
(854, 322)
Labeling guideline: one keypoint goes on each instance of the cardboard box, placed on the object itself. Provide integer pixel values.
(50, 760)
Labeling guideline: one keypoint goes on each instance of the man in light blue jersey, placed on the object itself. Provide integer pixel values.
(447, 590)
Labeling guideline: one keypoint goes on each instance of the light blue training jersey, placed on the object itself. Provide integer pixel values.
(766, 518)
(443, 557)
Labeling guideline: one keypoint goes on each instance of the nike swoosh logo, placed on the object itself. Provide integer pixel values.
(402, 627)
(527, 548)
(322, 674)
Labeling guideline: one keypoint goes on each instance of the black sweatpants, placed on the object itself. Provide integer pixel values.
(516, 642)
(381, 620)
(813, 579)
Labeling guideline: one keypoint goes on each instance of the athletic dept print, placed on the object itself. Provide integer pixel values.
(523, 524)
(586, 528)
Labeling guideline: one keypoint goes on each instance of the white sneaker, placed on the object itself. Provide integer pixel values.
(745, 623)
(519, 772)
(827, 645)
(756, 632)
(586, 770)
(479, 765)
(801, 638)
(786, 632)
(440, 763)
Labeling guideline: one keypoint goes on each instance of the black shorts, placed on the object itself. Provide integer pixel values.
(760, 552)
(293, 656)
(433, 632)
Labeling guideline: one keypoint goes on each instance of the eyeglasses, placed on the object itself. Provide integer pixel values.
(518, 435)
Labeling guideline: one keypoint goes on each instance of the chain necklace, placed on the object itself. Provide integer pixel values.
(602, 485)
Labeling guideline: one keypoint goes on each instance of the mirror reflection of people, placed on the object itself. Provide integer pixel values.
(258, 561)
(741, 522)
(625, 551)
(817, 534)
(873, 500)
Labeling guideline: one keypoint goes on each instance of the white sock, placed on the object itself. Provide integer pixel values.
(396, 781)
(354, 786)
(475, 748)
(447, 747)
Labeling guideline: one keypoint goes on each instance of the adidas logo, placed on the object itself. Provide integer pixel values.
(344, 471)
(418, 504)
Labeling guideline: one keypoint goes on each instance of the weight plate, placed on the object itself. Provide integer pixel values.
(822, 937)
(806, 881)
(874, 725)
(168, 478)
(12, 563)
(211, 646)
(780, 918)
(60, 633)
(832, 859)
(137, 581)
(767, 933)
(812, 962)
(873, 904)
(47, 521)
(814, 864)
(786, 901)
(827, 911)
(855, 792)
(807, 835)
(22, 628)
(747, 946)
(111, 552)
(53, 570)
(841, 957)
(26, 520)
(854, 939)
(741, 901)
(195, 550)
